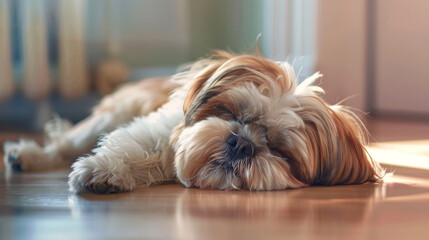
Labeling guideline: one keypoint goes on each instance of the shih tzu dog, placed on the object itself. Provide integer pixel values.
(226, 122)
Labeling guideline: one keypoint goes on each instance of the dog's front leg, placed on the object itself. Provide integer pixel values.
(64, 143)
(130, 156)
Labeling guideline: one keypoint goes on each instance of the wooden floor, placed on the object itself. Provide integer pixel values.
(38, 206)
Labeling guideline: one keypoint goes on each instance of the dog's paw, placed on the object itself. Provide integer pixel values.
(102, 188)
(25, 155)
(97, 174)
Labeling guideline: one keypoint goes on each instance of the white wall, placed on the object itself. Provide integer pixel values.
(377, 54)
(402, 57)
(341, 50)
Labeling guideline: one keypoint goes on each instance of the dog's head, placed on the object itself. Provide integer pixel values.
(248, 126)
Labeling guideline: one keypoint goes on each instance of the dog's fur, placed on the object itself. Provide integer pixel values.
(230, 122)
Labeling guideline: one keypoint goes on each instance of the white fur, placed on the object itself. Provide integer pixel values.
(131, 155)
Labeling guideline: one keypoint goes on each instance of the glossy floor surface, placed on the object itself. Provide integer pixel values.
(38, 206)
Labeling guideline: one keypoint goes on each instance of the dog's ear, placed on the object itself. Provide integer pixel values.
(336, 140)
(202, 71)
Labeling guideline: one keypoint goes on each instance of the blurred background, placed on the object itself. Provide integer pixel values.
(61, 57)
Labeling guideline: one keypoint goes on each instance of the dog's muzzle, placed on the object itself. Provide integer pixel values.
(239, 148)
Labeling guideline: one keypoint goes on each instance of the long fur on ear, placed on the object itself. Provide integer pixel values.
(353, 163)
(335, 139)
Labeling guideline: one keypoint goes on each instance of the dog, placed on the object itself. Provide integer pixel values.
(226, 122)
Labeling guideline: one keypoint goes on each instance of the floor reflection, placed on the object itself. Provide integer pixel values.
(353, 210)
(295, 203)
(311, 209)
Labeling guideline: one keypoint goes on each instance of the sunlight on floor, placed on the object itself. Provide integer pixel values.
(410, 154)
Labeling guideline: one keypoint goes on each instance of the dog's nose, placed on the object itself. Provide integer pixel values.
(239, 148)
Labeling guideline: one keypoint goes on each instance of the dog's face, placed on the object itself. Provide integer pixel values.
(248, 126)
